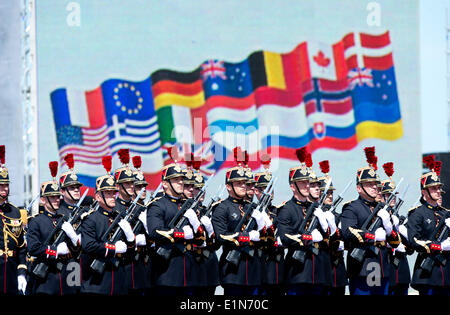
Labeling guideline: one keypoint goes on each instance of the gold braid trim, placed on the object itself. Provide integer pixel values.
(231, 238)
(22, 266)
(152, 201)
(423, 244)
(356, 232)
(295, 238)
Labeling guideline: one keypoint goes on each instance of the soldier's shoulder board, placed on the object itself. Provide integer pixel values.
(412, 209)
(87, 213)
(281, 204)
(347, 202)
(218, 202)
(152, 201)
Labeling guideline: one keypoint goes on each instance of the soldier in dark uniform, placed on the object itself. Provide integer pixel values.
(71, 192)
(421, 224)
(245, 278)
(399, 274)
(338, 270)
(112, 281)
(171, 276)
(125, 179)
(144, 251)
(13, 251)
(207, 254)
(371, 276)
(273, 255)
(58, 280)
(311, 276)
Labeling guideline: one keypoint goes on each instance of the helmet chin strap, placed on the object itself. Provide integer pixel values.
(126, 192)
(48, 200)
(104, 200)
(71, 197)
(173, 189)
(429, 195)
(298, 190)
(362, 187)
(234, 191)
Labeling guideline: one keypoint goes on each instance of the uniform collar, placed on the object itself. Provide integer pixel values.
(173, 199)
(368, 203)
(433, 208)
(106, 212)
(50, 215)
(123, 202)
(301, 203)
(235, 200)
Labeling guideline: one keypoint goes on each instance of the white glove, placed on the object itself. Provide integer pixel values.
(21, 283)
(126, 228)
(279, 241)
(395, 221)
(188, 233)
(259, 219)
(341, 246)
(447, 222)
(385, 217)
(380, 235)
(316, 236)
(400, 248)
(121, 247)
(193, 220)
(70, 232)
(267, 221)
(208, 225)
(62, 249)
(403, 231)
(322, 220)
(331, 221)
(445, 245)
(253, 235)
(140, 240)
(143, 218)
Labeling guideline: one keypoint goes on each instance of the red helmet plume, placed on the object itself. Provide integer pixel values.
(325, 166)
(107, 163)
(301, 154)
(124, 156)
(53, 165)
(137, 161)
(69, 161)
(2, 154)
(389, 169)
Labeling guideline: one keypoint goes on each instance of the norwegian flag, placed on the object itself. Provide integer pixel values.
(213, 68)
(360, 77)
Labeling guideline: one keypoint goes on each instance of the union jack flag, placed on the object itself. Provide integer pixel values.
(213, 68)
(360, 77)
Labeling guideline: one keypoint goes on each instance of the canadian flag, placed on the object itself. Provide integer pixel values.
(326, 61)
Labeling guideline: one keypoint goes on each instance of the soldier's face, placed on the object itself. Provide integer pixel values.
(108, 200)
(237, 189)
(314, 190)
(73, 191)
(368, 190)
(188, 190)
(4, 191)
(301, 186)
(393, 201)
(51, 203)
(137, 189)
(196, 191)
(174, 186)
(434, 192)
(250, 190)
(329, 198)
(127, 187)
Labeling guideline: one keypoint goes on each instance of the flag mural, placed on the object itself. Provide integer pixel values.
(317, 95)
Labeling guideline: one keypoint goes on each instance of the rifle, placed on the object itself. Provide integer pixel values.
(372, 223)
(98, 265)
(28, 208)
(233, 257)
(137, 227)
(300, 253)
(439, 234)
(177, 222)
(41, 269)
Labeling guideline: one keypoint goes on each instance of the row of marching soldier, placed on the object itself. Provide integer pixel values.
(126, 242)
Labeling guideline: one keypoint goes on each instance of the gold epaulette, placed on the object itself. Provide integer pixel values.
(24, 216)
(152, 201)
(281, 204)
(216, 203)
(412, 209)
(347, 202)
(87, 213)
